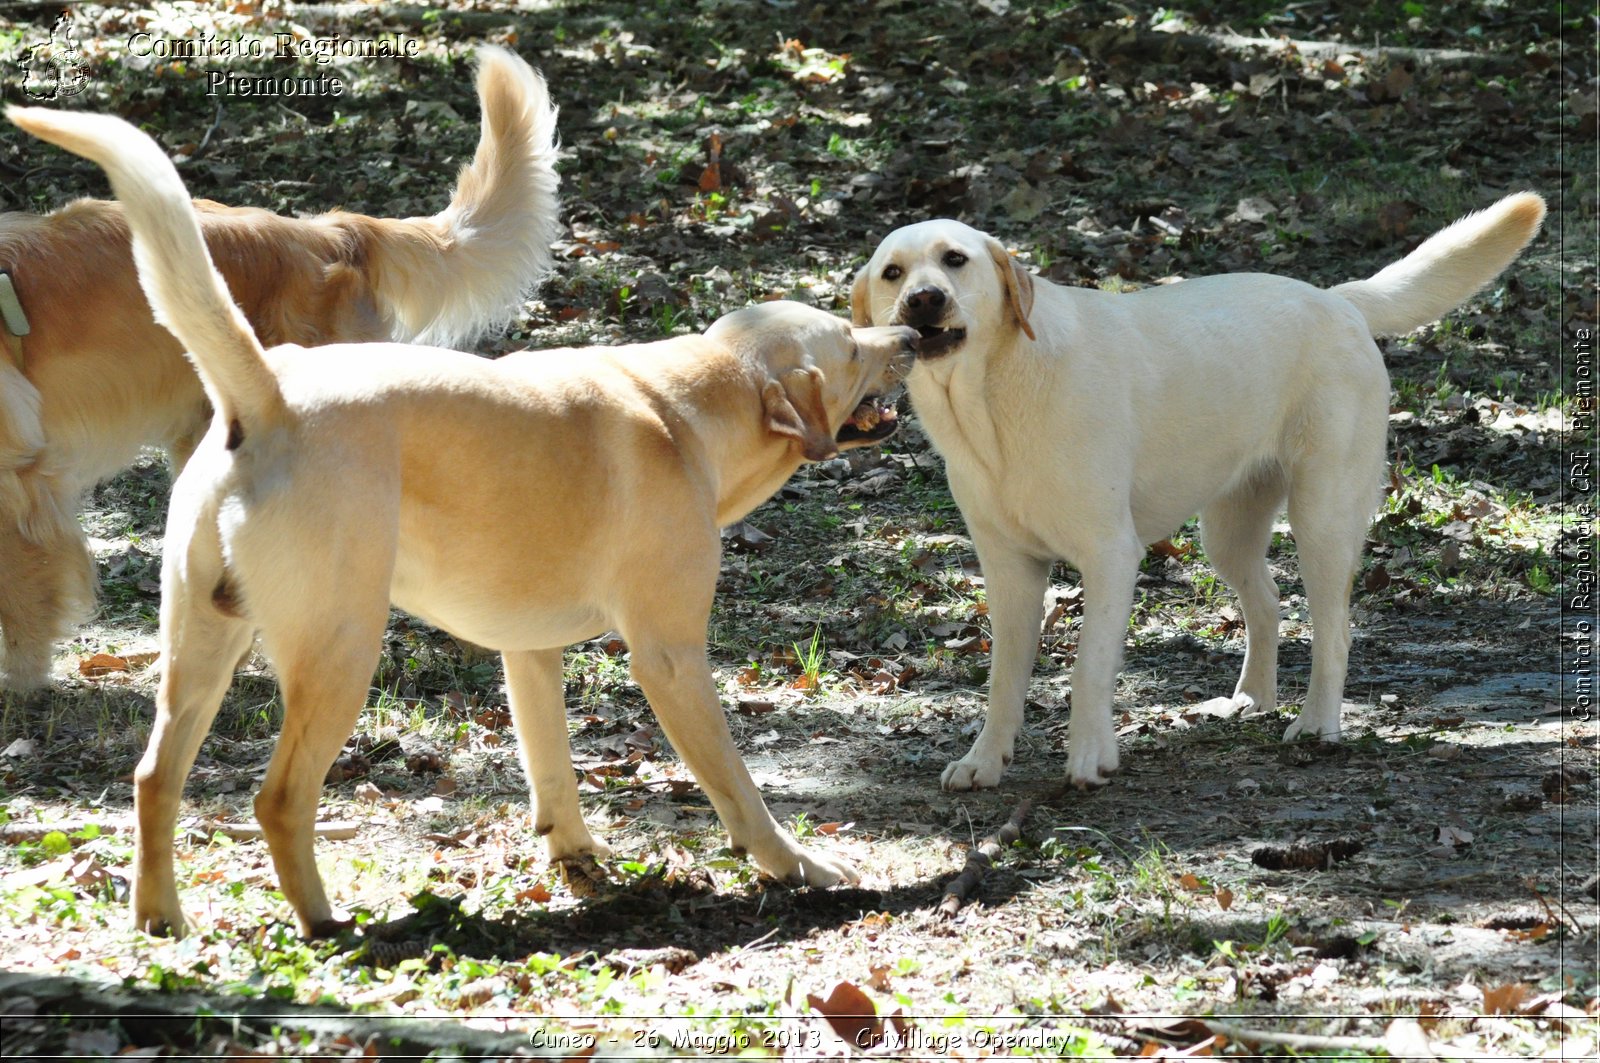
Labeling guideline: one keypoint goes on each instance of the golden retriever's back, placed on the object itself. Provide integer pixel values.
(118, 381)
(268, 261)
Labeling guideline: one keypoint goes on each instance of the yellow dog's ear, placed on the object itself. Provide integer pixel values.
(1018, 284)
(860, 308)
(793, 407)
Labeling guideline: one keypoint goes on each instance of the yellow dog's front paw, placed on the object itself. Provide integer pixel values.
(156, 911)
(160, 924)
(573, 844)
(819, 870)
(798, 866)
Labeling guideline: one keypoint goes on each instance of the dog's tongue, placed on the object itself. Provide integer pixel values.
(869, 415)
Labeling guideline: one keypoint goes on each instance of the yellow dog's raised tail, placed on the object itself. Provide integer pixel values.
(185, 290)
(1447, 268)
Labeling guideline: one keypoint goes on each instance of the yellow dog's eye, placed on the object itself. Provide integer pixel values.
(892, 273)
(955, 259)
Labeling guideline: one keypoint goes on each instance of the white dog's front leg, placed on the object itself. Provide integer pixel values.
(1015, 584)
(533, 686)
(1108, 582)
(1324, 727)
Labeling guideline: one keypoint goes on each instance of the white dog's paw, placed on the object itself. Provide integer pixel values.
(1091, 760)
(981, 768)
(973, 772)
(1227, 708)
(1310, 725)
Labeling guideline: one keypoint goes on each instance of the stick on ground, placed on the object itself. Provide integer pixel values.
(979, 859)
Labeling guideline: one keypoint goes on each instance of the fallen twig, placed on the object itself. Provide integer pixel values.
(1400, 1033)
(979, 859)
(1198, 47)
(18, 833)
(338, 830)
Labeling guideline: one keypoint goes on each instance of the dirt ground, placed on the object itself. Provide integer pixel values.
(1424, 889)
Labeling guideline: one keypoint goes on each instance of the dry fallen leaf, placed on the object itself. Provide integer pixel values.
(744, 537)
(1505, 999)
(711, 176)
(1394, 217)
(535, 893)
(102, 664)
(852, 1015)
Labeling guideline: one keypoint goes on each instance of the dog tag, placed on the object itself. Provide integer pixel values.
(11, 308)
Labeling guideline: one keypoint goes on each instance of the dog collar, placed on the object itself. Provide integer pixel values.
(16, 322)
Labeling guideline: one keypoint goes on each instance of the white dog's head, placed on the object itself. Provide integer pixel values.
(827, 384)
(945, 280)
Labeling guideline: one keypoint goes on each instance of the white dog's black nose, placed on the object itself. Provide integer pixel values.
(925, 305)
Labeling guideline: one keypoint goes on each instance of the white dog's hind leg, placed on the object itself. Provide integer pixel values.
(1109, 572)
(534, 687)
(1236, 531)
(1329, 509)
(1015, 585)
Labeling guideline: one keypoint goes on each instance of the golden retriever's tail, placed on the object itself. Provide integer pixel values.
(185, 290)
(447, 279)
(1447, 268)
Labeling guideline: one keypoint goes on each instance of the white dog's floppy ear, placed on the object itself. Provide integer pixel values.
(794, 407)
(860, 308)
(1018, 284)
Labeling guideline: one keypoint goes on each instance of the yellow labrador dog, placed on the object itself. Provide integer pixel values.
(1083, 425)
(525, 504)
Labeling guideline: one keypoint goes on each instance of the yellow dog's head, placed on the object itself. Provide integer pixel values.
(827, 383)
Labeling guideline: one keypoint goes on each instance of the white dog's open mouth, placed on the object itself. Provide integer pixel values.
(937, 340)
(872, 422)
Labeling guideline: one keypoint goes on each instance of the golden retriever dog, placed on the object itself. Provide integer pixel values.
(524, 504)
(1082, 425)
(93, 378)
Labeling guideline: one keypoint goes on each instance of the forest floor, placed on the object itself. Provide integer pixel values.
(1444, 903)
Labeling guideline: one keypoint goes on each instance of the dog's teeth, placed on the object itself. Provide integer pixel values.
(866, 416)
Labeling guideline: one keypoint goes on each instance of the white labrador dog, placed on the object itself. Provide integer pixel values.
(524, 503)
(1081, 425)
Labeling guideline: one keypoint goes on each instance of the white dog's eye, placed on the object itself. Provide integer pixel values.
(892, 273)
(955, 259)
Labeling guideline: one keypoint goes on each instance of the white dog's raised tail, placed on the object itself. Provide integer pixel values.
(1447, 268)
(185, 290)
